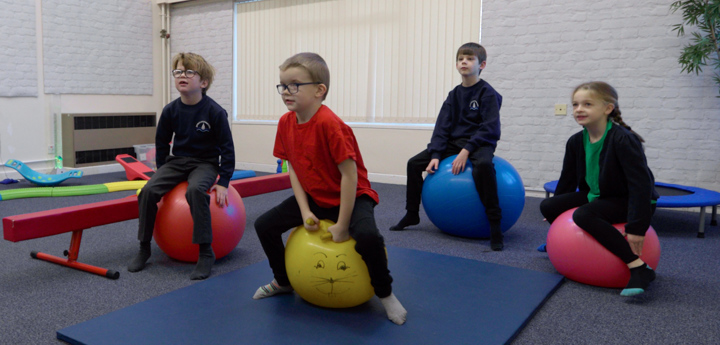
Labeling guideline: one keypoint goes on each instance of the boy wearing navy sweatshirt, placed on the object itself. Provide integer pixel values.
(468, 125)
(202, 148)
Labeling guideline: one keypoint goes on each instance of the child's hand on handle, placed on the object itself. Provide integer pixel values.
(458, 164)
(221, 195)
(339, 233)
(636, 243)
(336, 233)
(311, 222)
(432, 166)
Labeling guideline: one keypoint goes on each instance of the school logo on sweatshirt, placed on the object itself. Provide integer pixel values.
(202, 126)
(474, 105)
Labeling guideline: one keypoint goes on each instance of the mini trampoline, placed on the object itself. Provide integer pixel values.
(674, 196)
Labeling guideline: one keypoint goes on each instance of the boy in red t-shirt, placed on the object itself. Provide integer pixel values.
(328, 178)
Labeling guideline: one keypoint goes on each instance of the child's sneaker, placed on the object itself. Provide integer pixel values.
(640, 278)
(271, 289)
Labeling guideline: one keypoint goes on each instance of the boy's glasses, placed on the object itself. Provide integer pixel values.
(292, 88)
(188, 73)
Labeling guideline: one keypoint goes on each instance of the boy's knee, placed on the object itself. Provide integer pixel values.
(368, 237)
(149, 194)
(416, 164)
(484, 165)
(195, 192)
(263, 223)
(367, 241)
(484, 173)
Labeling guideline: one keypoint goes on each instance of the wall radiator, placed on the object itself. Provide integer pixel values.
(95, 139)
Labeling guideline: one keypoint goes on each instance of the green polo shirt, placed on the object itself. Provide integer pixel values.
(592, 162)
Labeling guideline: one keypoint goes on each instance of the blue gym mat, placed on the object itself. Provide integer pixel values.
(449, 300)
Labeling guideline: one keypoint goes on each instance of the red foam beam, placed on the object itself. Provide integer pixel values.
(52, 222)
(75, 219)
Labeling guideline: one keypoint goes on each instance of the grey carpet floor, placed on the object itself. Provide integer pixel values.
(681, 306)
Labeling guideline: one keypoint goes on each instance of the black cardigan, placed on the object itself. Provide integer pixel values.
(623, 173)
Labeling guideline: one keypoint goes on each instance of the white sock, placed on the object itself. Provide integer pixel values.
(271, 289)
(395, 311)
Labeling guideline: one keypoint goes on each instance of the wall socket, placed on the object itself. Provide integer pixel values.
(560, 109)
(51, 149)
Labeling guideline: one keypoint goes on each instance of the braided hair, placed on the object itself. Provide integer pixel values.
(608, 95)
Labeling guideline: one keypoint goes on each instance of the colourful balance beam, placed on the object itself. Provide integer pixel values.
(37, 192)
(75, 219)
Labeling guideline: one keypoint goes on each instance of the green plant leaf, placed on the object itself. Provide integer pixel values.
(704, 16)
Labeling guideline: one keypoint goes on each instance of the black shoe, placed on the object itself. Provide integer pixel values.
(496, 245)
(138, 262)
(411, 218)
(640, 279)
(496, 238)
(206, 259)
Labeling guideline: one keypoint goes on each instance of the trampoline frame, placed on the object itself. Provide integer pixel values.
(698, 197)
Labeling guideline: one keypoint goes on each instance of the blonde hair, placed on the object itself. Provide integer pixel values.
(198, 64)
(607, 94)
(314, 64)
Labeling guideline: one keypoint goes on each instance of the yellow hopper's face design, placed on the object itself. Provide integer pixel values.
(333, 275)
(326, 273)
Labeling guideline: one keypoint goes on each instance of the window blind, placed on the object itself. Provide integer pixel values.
(391, 61)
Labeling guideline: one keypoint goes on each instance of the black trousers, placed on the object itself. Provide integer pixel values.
(596, 218)
(483, 175)
(370, 244)
(200, 174)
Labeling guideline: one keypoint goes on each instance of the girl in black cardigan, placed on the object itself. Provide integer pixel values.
(605, 175)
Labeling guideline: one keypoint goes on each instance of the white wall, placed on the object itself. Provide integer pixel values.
(98, 47)
(538, 51)
(18, 49)
(26, 126)
(206, 28)
(385, 150)
(254, 140)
